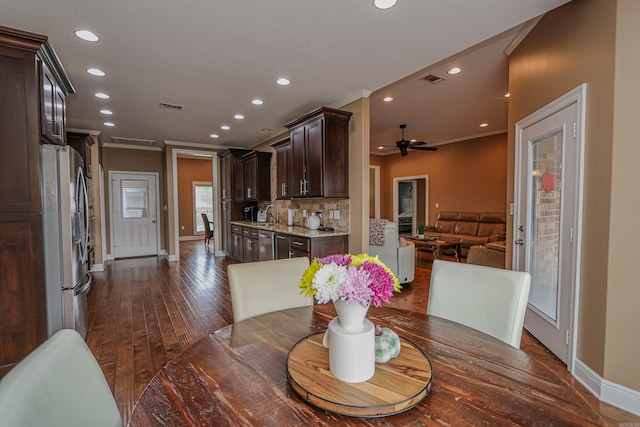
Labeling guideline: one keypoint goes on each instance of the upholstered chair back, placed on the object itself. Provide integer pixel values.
(491, 300)
(59, 384)
(266, 286)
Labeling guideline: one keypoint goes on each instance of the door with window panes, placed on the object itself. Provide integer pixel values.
(134, 213)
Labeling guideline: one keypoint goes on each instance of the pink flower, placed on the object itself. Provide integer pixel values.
(355, 288)
(339, 259)
(381, 283)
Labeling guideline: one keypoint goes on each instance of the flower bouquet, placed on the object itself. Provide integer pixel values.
(352, 282)
(355, 279)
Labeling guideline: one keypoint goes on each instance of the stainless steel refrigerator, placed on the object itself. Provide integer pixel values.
(66, 238)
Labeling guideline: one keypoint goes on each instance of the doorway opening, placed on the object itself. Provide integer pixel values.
(411, 203)
(215, 214)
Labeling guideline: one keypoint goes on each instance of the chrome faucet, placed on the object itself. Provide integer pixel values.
(266, 211)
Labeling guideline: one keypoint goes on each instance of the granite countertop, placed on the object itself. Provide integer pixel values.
(295, 230)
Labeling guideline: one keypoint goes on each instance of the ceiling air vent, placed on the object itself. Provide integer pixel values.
(171, 106)
(432, 78)
(133, 141)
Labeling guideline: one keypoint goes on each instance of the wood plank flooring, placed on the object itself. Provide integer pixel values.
(145, 311)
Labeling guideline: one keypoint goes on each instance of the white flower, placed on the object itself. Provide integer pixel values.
(327, 282)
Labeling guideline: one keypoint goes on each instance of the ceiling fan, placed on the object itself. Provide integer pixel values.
(405, 144)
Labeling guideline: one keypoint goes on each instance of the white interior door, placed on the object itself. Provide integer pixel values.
(546, 223)
(134, 212)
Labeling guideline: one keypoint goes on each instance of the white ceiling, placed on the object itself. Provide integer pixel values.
(214, 56)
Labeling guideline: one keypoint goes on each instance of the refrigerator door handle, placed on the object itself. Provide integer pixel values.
(84, 287)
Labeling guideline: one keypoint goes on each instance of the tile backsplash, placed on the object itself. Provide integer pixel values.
(328, 207)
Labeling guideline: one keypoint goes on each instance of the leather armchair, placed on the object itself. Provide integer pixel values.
(397, 253)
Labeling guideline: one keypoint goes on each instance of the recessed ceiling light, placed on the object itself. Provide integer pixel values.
(109, 124)
(387, 99)
(266, 129)
(214, 135)
(384, 4)
(506, 95)
(96, 72)
(381, 148)
(107, 112)
(225, 127)
(257, 102)
(86, 35)
(454, 70)
(101, 95)
(283, 82)
(484, 125)
(238, 117)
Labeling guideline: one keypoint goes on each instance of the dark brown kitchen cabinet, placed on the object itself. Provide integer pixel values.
(232, 198)
(293, 246)
(282, 245)
(257, 176)
(236, 248)
(320, 154)
(250, 244)
(25, 59)
(82, 143)
(283, 164)
(53, 107)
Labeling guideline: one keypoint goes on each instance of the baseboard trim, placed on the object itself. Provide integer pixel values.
(587, 377)
(621, 397)
(97, 267)
(170, 258)
(188, 238)
(609, 392)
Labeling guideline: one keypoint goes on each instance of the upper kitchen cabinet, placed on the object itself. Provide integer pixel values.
(53, 87)
(257, 176)
(82, 143)
(283, 164)
(320, 154)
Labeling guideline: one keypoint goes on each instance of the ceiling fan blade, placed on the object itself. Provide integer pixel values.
(425, 148)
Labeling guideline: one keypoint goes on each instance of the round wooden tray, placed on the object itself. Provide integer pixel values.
(397, 386)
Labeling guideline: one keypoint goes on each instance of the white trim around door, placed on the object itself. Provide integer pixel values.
(216, 197)
(152, 216)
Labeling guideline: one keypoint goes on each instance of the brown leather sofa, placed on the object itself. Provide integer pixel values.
(469, 228)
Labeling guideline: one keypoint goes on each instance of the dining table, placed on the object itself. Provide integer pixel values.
(237, 376)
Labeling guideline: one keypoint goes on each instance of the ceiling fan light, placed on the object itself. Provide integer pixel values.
(384, 4)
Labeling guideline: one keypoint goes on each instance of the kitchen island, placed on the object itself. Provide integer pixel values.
(260, 241)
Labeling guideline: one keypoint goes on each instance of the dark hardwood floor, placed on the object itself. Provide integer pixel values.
(144, 311)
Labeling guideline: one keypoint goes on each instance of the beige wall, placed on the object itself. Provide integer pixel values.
(572, 45)
(622, 348)
(189, 171)
(359, 175)
(467, 176)
(120, 159)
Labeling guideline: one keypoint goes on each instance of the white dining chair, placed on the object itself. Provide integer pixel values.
(491, 300)
(266, 286)
(59, 384)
